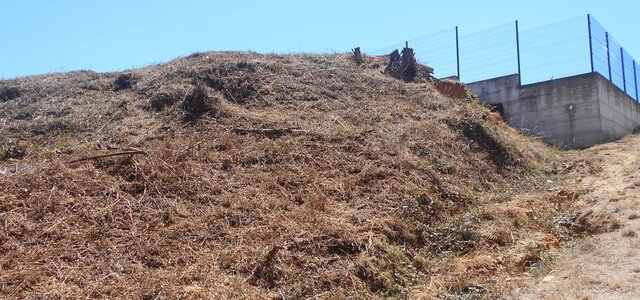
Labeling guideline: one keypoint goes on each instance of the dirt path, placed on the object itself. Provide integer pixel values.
(607, 264)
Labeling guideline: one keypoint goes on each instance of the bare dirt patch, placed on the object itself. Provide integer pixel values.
(604, 264)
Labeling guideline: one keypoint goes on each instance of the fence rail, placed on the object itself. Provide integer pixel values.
(567, 48)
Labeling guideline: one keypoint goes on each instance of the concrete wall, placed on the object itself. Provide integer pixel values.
(574, 112)
(619, 113)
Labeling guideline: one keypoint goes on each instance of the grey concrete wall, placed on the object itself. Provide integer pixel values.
(574, 112)
(619, 113)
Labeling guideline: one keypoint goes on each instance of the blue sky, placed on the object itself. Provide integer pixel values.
(40, 36)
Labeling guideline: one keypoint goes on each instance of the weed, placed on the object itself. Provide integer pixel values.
(62, 147)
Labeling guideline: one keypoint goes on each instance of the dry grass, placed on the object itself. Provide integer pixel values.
(381, 184)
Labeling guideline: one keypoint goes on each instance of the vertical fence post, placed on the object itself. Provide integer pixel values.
(606, 35)
(635, 79)
(590, 42)
(624, 77)
(518, 54)
(457, 53)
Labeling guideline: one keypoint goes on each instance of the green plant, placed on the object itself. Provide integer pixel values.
(62, 147)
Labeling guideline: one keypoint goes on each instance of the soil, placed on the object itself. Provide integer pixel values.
(605, 265)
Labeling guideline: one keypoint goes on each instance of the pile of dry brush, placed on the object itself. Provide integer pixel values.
(248, 176)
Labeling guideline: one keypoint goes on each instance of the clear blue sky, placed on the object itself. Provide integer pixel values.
(40, 36)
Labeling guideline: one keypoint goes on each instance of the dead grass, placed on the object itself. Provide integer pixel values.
(384, 183)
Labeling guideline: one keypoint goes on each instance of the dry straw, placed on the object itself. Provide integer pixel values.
(264, 176)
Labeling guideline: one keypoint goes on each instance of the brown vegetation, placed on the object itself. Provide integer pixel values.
(266, 176)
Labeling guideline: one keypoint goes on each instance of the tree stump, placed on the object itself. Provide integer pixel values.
(357, 56)
(408, 68)
(402, 66)
(394, 63)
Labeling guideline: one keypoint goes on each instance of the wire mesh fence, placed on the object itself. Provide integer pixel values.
(599, 48)
(437, 50)
(610, 59)
(567, 48)
(629, 74)
(554, 51)
(488, 53)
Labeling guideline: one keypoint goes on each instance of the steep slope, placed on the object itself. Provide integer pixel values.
(255, 176)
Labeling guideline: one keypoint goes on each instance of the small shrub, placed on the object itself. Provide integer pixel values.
(63, 147)
(161, 101)
(123, 82)
(23, 115)
(197, 103)
(11, 152)
(9, 93)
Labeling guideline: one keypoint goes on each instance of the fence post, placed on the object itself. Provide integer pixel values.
(590, 42)
(608, 55)
(457, 53)
(624, 77)
(635, 79)
(518, 54)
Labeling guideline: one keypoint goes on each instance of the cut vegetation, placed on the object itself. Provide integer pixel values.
(238, 175)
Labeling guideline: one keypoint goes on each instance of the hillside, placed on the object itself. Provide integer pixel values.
(263, 176)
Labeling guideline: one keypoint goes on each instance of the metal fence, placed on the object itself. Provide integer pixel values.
(437, 50)
(567, 48)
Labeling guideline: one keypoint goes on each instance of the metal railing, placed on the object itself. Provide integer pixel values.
(567, 48)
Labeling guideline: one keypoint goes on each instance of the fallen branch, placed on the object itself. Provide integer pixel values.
(269, 132)
(130, 152)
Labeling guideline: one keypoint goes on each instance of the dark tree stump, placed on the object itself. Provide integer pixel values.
(394, 63)
(357, 56)
(408, 68)
(402, 66)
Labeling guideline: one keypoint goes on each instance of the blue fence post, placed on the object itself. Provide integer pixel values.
(457, 53)
(518, 54)
(608, 55)
(635, 79)
(624, 77)
(590, 42)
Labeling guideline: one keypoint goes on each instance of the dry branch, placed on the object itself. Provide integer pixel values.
(269, 132)
(131, 152)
